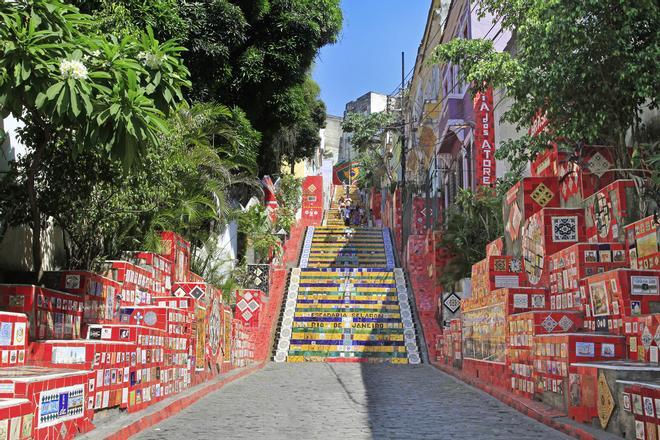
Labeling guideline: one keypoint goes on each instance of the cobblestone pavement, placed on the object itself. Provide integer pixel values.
(349, 401)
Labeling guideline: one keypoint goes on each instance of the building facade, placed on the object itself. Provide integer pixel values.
(424, 101)
(329, 147)
(452, 135)
(331, 138)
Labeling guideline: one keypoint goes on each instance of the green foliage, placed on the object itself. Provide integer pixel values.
(127, 17)
(373, 167)
(257, 227)
(305, 115)
(110, 93)
(180, 184)
(588, 66)
(480, 63)
(80, 90)
(474, 220)
(250, 54)
(210, 261)
(222, 129)
(366, 130)
(208, 152)
(286, 218)
(289, 199)
(646, 157)
(289, 192)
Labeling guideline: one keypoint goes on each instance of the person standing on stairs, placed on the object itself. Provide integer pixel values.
(347, 215)
(355, 216)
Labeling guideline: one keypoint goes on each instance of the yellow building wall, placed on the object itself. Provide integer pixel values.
(300, 170)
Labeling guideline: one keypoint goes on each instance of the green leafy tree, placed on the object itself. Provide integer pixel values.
(367, 129)
(373, 168)
(289, 199)
(252, 54)
(367, 132)
(589, 67)
(181, 184)
(81, 89)
(213, 152)
(127, 17)
(300, 138)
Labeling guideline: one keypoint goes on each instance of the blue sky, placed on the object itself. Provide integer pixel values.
(367, 56)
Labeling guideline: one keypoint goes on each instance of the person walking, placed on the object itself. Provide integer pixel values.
(355, 216)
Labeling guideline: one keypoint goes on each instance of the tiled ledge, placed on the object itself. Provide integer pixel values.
(127, 425)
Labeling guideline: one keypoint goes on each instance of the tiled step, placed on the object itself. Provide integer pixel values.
(320, 338)
(346, 303)
(329, 264)
(348, 316)
(349, 358)
(374, 327)
(372, 306)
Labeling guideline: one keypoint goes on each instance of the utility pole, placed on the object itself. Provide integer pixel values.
(403, 147)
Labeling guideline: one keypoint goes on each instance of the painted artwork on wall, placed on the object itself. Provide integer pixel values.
(484, 333)
(533, 249)
(215, 330)
(600, 303)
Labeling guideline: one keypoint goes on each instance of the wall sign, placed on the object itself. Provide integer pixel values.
(484, 138)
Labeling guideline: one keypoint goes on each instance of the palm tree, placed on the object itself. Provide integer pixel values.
(213, 154)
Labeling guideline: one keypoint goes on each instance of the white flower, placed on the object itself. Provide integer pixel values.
(151, 60)
(96, 53)
(73, 69)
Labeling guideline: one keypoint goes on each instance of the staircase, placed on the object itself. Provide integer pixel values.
(347, 302)
(333, 216)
